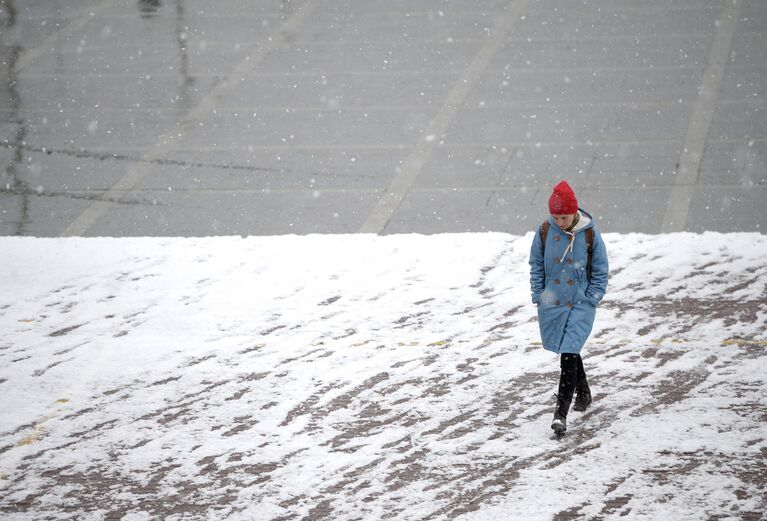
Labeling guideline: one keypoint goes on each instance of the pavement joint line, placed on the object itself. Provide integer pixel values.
(680, 199)
(51, 41)
(459, 146)
(384, 43)
(260, 74)
(383, 211)
(267, 74)
(404, 147)
(246, 112)
(243, 111)
(424, 189)
(167, 142)
(469, 40)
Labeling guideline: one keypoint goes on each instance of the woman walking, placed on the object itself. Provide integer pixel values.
(568, 278)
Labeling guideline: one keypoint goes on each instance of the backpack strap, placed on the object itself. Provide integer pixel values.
(544, 231)
(590, 249)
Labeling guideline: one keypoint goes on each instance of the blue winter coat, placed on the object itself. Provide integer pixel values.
(561, 288)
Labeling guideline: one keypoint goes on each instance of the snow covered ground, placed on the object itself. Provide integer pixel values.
(364, 377)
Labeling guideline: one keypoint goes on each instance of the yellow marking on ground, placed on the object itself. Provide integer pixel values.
(38, 431)
(439, 343)
(740, 342)
(677, 341)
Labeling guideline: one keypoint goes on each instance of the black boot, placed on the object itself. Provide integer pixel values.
(567, 381)
(559, 423)
(582, 400)
(583, 392)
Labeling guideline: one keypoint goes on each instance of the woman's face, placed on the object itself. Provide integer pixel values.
(564, 221)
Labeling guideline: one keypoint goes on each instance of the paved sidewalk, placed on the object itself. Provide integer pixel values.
(183, 118)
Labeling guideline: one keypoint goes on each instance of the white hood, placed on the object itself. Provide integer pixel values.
(583, 222)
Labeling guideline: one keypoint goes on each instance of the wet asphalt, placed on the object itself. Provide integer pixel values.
(188, 118)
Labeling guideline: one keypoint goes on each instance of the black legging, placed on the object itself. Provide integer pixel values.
(571, 373)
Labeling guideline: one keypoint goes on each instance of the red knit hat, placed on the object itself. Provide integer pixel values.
(562, 200)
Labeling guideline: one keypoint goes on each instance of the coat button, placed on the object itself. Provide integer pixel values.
(556, 303)
(569, 260)
(569, 304)
(557, 261)
(570, 282)
(556, 237)
(556, 281)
